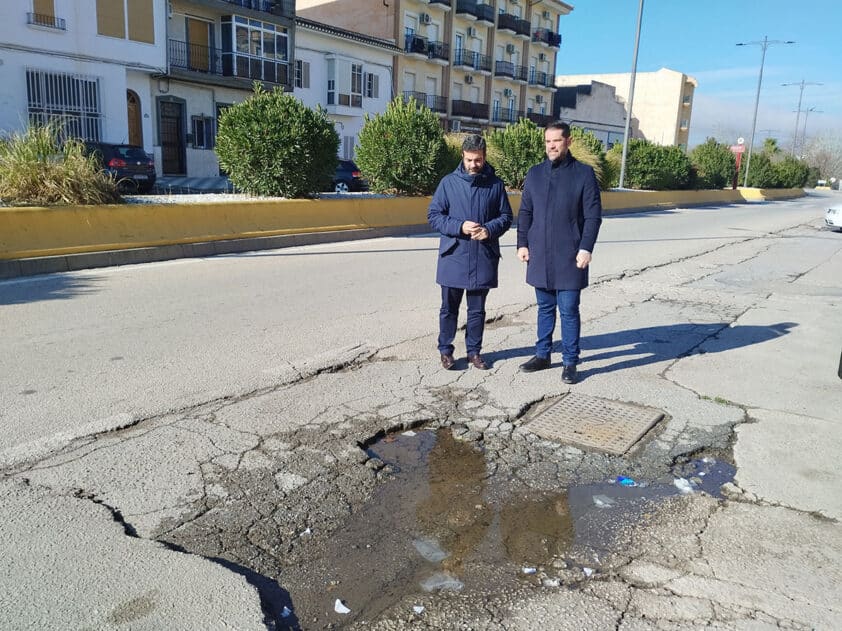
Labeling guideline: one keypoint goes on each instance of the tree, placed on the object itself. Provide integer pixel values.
(588, 148)
(403, 150)
(514, 149)
(791, 172)
(715, 164)
(272, 144)
(654, 167)
(762, 173)
(824, 153)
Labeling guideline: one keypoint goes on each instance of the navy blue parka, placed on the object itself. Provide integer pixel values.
(560, 214)
(463, 262)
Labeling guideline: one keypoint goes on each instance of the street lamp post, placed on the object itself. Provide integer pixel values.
(763, 45)
(631, 96)
(804, 133)
(801, 84)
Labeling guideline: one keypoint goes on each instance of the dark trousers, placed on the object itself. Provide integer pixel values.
(451, 298)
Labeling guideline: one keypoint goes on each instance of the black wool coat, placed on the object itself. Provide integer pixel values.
(465, 263)
(560, 214)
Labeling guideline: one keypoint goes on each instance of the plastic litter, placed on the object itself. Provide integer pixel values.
(603, 501)
(338, 607)
(588, 571)
(442, 581)
(683, 485)
(419, 609)
(624, 481)
(409, 432)
(529, 570)
(551, 582)
(286, 612)
(430, 550)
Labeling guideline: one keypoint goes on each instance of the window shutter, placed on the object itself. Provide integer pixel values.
(305, 74)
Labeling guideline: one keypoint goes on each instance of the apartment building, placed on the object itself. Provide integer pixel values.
(477, 63)
(87, 65)
(593, 107)
(663, 102)
(347, 73)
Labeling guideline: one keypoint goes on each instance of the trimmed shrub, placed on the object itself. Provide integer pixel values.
(272, 144)
(715, 164)
(514, 149)
(654, 167)
(453, 148)
(402, 150)
(791, 172)
(762, 173)
(37, 169)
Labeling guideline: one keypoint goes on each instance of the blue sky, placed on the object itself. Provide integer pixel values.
(699, 37)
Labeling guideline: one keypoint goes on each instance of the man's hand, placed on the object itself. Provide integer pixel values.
(469, 227)
(523, 254)
(480, 234)
(583, 259)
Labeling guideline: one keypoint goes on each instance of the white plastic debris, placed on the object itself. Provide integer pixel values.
(588, 571)
(684, 485)
(286, 613)
(306, 531)
(529, 570)
(551, 582)
(708, 460)
(409, 432)
(430, 550)
(603, 501)
(419, 609)
(442, 581)
(338, 607)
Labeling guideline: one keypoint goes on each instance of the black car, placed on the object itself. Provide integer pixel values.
(347, 178)
(129, 165)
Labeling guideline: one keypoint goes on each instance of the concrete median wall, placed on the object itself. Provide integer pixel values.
(70, 230)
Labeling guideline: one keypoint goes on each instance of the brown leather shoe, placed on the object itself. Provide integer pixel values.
(477, 362)
(447, 362)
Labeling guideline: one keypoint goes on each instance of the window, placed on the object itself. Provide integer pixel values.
(73, 101)
(204, 134)
(356, 85)
(302, 74)
(372, 85)
(132, 19)
(254, 49)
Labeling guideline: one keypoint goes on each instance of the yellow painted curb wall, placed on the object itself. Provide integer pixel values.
(57, 231)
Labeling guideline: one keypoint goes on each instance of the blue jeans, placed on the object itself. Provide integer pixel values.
(451, 298)
(567, 302)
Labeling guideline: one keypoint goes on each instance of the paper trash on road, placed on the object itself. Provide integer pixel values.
(338, 607)
(683, 485)
(603, 501)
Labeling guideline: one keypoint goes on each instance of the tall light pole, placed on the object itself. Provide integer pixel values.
(802, 85)
(763, 45)
(631, 96)
(804, 134)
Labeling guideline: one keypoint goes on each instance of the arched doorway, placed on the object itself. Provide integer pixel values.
(134, 118)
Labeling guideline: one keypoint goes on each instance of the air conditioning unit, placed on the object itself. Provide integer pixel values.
(510, 49)
(539, 98)
(456, 126)
(542, 56)
(425, 18)
(546, 15)
(472, 31)
(469, 79)
(507, 92)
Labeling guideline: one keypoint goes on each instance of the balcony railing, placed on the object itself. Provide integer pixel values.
(432, 101)
(215, 61)
(546, 36)
(469, 109)
(509, 22)
(445, 3)
(50, 21)
(467, 7)
(195, 57)
(257, 5)
(538, 77)
(422, 46)
(471, 59)
(485, 13)
(542, 120)
(506, 115)
(508, 69)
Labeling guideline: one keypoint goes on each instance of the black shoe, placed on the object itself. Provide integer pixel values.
(568, 375)
(447, 361)
(535, 364)
(477, 362)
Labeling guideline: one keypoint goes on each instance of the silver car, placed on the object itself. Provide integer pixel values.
(833, 217)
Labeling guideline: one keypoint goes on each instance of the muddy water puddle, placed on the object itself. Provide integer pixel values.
(441, 522)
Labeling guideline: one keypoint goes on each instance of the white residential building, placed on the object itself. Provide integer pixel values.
(593, 107)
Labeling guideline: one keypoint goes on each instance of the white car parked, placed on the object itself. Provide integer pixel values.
(833, 217)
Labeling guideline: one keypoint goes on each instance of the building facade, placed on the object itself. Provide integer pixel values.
(663, 102)
(593, 107)
(477, 63)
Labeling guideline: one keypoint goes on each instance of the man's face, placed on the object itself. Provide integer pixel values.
(555, 143)
(473, 161)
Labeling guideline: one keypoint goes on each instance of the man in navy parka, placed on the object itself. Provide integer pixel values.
(471, 210)
(558, 222)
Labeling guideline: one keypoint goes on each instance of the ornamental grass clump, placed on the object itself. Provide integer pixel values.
(38, 169)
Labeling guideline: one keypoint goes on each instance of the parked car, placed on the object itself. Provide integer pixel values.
(130, 165)
(833, 217)
(347, 178)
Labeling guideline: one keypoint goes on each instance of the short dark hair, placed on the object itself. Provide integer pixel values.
(564, 127)
(473, 142)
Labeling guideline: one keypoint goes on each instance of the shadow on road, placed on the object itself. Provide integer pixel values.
(37, 288)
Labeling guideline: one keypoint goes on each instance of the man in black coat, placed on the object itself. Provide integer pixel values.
(559, 219)
(471, 210)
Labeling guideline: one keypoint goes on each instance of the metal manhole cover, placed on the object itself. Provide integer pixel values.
(594, 423)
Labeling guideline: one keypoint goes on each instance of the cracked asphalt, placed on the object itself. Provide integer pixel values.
(184, 444)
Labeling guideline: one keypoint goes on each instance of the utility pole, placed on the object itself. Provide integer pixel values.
(802, 84)
(631, 96)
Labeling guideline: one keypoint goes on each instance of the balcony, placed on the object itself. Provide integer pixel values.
(468, 109)
(445, 4)
(467, 9)
(547, 37)
(426, 49)
(506, 115)
(542, 120)
(50, 21)
(195, 57)
(513, 71)
(473, 60)
(432, 101)
(543, 79)
(276, 7)
(514, 25)
(485, 13)
(214, 61)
